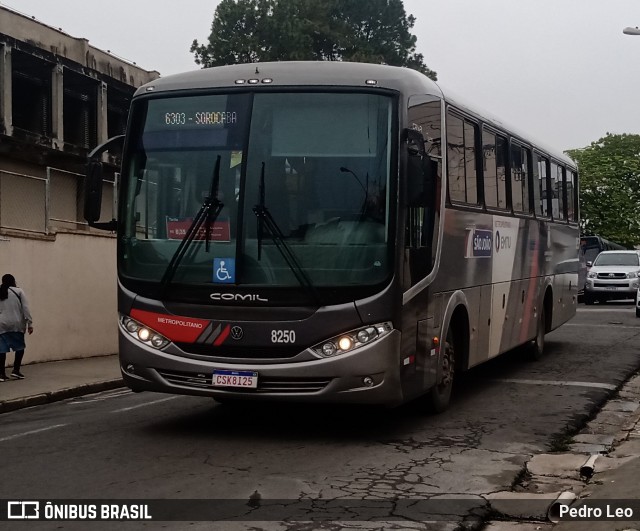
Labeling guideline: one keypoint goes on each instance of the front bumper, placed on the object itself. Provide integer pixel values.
(339, 379)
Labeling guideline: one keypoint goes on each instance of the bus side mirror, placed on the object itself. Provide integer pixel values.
(93, 192)
(421, 171)
(93, 185)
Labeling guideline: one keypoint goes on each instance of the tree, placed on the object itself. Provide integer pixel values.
(375, 31)
(610, 188)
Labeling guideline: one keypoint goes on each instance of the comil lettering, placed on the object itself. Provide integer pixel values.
(251, 297)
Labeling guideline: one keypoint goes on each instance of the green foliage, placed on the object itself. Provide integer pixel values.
(610, 188)
(372, 31)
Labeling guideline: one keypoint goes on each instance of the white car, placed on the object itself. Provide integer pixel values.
(613, 275)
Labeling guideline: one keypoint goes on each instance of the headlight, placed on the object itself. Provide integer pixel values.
(143, 333)
(353, 340)
(592, 275)
(633, 274)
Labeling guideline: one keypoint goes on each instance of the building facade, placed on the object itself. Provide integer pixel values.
(59, 98)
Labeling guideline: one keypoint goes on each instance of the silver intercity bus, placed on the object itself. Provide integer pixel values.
(330, 232)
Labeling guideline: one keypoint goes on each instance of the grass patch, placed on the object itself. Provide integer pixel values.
(561, 442)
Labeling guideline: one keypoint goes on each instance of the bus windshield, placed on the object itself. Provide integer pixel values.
(318, 163)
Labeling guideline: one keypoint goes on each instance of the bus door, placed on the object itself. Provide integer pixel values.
(422, 220)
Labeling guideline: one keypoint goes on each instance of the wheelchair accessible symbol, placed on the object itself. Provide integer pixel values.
(224, 270)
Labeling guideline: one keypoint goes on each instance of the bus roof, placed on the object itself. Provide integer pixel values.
(333, 74)
(299, 74)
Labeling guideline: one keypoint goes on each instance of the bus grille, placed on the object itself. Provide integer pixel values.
(265, 385)
(225, 351)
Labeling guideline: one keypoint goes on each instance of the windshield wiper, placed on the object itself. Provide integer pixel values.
(365, 189)
(265, 219)
(208, 214)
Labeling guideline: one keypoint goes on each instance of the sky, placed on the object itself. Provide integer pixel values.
(561, 71)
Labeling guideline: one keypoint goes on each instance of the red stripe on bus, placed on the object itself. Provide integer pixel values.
(173, 327)
(223, 336)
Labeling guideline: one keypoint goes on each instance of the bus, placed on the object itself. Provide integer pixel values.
(329, 232)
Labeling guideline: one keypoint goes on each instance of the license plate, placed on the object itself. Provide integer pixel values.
(246, 379)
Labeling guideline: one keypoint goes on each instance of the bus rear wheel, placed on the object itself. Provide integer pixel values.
(536, 345)
(439, 396)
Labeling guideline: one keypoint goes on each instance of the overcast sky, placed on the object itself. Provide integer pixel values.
(559, 69)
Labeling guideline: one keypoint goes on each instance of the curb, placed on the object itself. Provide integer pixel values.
(62, 394)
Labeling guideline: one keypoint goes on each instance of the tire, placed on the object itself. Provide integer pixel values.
(536, 345)
(588, 300)
(439, 396)
(637, 312)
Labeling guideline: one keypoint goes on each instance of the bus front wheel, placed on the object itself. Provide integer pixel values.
(439, 396)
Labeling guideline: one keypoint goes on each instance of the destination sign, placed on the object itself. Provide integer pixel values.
(200, 118)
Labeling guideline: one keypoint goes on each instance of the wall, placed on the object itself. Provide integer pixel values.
(70, 283)
(76, 49)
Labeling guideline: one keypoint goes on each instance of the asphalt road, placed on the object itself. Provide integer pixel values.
(118, 445)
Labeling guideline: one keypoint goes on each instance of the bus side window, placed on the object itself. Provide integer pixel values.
(572, 211)
(541, 186)
(461, 160)
(494, 151)
(519, 178)
(557, 184)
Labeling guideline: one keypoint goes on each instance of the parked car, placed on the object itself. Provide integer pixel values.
(613, 275)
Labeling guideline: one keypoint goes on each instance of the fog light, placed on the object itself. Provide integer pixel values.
(368, 381)
(130, 368)
(345, 343)
(144, 334)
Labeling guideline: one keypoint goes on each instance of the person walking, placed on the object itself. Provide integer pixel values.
(15, 319)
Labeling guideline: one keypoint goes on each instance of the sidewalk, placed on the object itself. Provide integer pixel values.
(616, 481)
(610, 442)
(57, 380)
